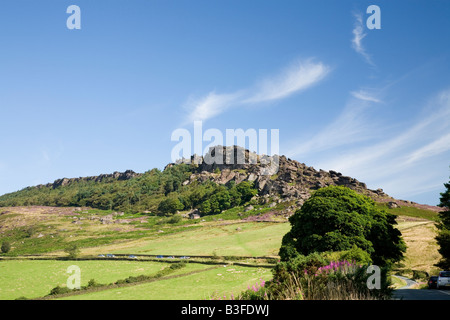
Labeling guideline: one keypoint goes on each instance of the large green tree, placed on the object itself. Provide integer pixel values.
(169, 206)
(443, 225)
(337, 218)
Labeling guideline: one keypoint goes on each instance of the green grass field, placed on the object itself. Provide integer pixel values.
(35, 278)
(410, 211)
(241, 239)
(219, 282)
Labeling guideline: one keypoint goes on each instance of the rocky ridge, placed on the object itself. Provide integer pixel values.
(287, 179)
(127, 175)
(277, 178)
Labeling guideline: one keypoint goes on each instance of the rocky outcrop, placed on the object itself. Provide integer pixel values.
(291, 180)
(129, 174)
(277, 178)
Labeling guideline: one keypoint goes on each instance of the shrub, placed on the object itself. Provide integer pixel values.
(356, 254)
(30, 231)
(170, 206)
(312, 277)
(73, 251)
(285, 269)
(177, 265)
(174, 219)
(258, 291)
(6, 247)
(59, 290)
(93, 284)
(171, 220)
(420, 275)
(247, 190)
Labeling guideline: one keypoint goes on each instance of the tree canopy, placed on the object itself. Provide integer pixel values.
(443, 225)
(161, 192)
(337, 218)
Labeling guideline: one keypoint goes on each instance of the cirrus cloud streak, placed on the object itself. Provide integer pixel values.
(297, 77)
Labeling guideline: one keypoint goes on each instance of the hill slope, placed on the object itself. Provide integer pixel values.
(193, 184)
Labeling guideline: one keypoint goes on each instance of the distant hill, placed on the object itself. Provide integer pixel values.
(195, 183)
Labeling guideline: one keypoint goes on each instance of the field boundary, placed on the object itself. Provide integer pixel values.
(211, 260)
(165, 256)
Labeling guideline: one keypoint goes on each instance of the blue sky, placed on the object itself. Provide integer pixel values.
(372, 104)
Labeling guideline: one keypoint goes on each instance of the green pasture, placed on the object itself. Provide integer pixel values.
(238, 239)
(410, 211)
(35, 278)
(218, 282)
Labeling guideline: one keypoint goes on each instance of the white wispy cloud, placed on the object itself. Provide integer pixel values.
(365, 96)
(211, 105)
(406, 162)
(408, 185)
(390, 153)
(296, 78)
(436, 147)
(358, 36)
(351, 126)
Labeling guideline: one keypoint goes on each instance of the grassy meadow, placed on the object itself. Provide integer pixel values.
(422, 249)
(51, 231)
(237, 239)
(35, 278)
(218, 282)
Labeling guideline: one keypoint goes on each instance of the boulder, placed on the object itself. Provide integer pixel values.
(248, 208)
(392, 205)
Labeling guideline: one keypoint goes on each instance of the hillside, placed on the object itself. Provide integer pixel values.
(193, 185)
(239, 223)
(189, 185)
